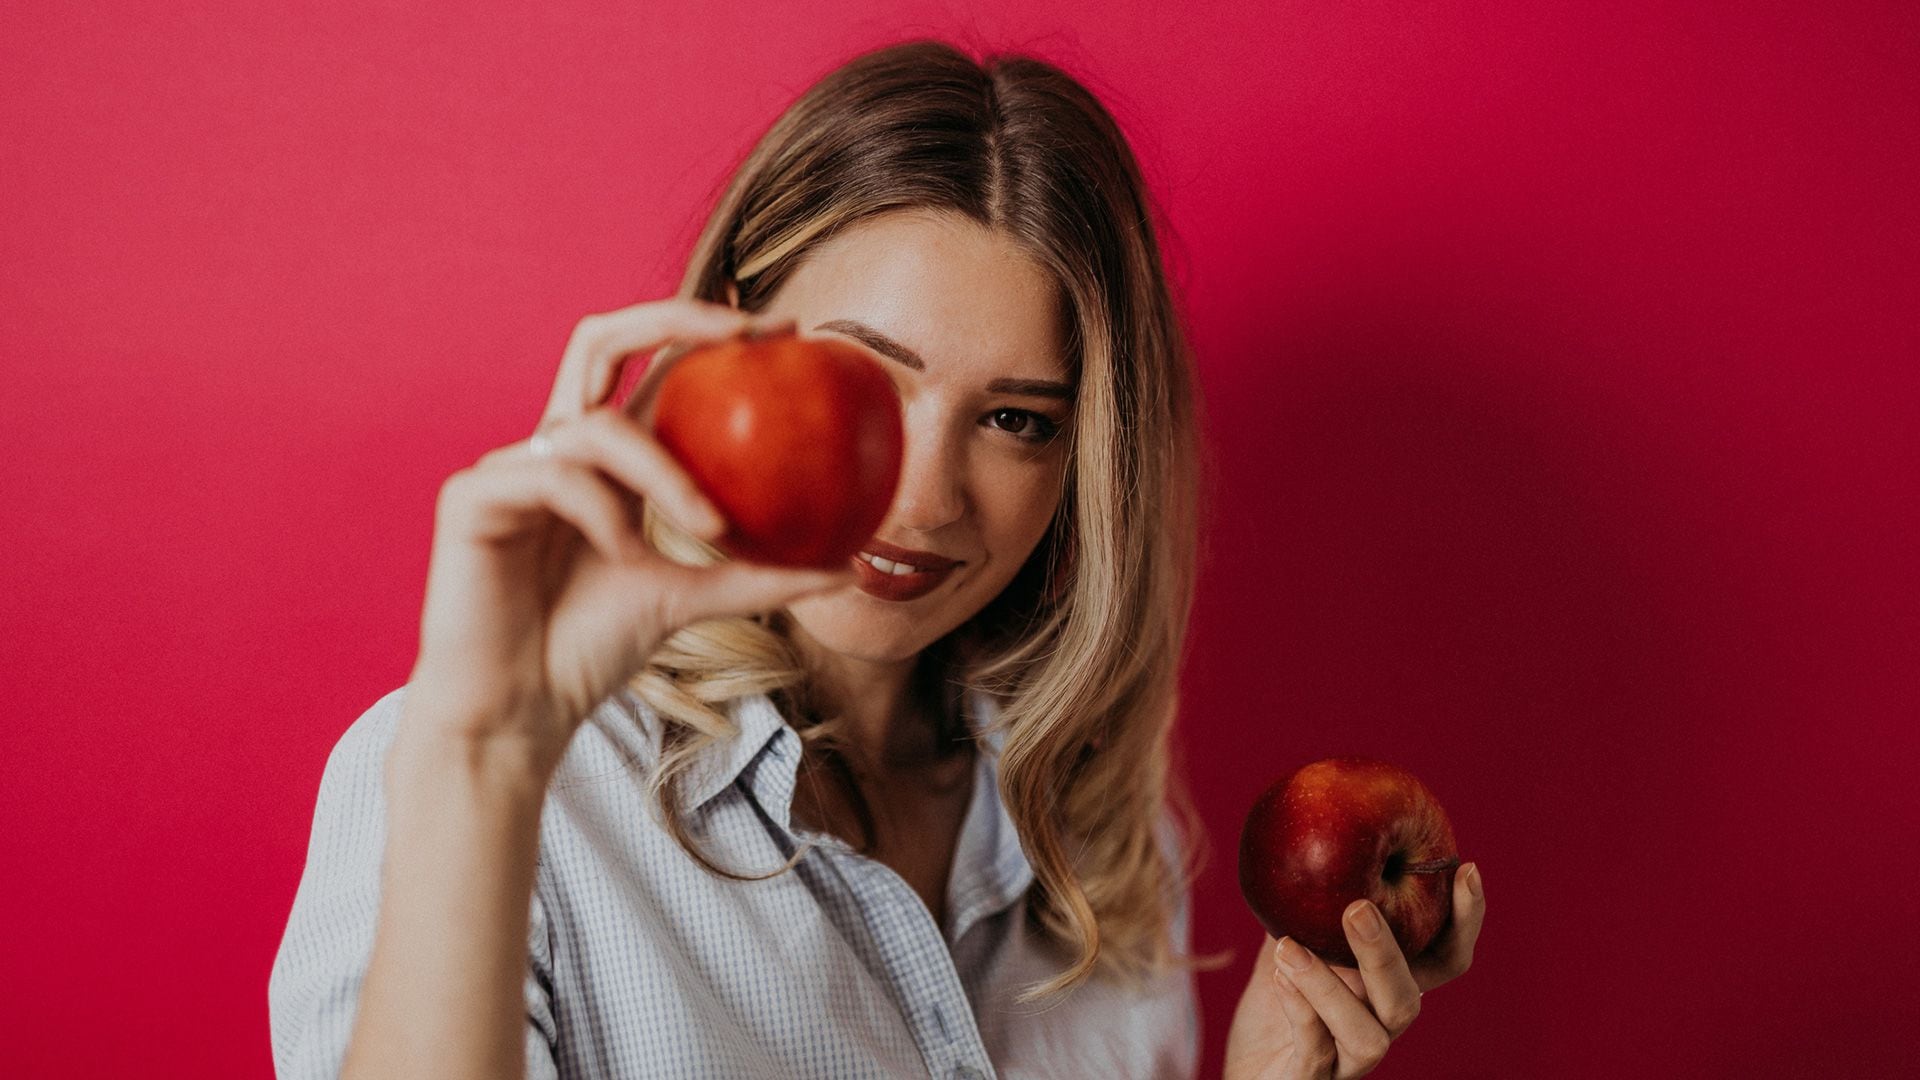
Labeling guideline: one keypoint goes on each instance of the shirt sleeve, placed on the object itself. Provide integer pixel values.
(1185, 1062)
(314, 986)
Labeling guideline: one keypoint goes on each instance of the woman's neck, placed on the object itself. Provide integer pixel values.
(888, 714)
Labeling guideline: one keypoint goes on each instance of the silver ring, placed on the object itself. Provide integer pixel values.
(540, 445)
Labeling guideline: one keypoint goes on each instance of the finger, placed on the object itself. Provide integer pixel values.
(1391, 990)
(1315, 1053)
(1362, 1042)
(1352, 977)
(591, 361)
(742, 588)
(1451, 954)
(614, 443)
(507, 497)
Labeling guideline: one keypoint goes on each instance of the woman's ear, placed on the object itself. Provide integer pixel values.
(733, 294)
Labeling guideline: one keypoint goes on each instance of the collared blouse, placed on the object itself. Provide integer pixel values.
(643, 964)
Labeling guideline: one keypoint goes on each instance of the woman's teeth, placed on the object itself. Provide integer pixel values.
(887, 566)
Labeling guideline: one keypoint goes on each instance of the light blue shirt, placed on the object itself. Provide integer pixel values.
(643, 964)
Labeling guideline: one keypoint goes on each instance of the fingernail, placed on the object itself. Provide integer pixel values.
(1292, 955)
(1366, 924)
(1473, 880)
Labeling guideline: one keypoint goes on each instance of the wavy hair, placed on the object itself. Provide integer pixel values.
(1082, 649)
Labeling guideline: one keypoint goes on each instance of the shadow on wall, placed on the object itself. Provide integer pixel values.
(1440, 538)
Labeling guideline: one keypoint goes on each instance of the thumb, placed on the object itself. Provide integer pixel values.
(742, 588)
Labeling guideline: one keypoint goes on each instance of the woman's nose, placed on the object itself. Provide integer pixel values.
(931, 493)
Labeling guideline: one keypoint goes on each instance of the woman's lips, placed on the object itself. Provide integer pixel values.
(924, 560)
(898, 587)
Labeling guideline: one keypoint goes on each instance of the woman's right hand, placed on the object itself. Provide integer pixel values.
(542, 599)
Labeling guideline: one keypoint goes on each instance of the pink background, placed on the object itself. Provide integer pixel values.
(1562, 374)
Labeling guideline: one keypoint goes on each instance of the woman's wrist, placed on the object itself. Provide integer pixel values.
(500, 763)
(435, 746)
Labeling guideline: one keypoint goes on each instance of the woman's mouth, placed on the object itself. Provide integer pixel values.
(885, 579)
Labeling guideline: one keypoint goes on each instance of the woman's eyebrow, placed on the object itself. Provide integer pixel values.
(899, 353)
(1045, 388)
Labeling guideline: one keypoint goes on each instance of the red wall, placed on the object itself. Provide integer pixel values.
(1561, 370)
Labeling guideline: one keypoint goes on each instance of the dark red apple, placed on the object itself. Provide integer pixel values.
(797, 441)
(1348, 829)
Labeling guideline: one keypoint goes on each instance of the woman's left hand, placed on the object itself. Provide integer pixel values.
(1322, 1022)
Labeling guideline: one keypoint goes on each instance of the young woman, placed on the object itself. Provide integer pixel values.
(642, 811)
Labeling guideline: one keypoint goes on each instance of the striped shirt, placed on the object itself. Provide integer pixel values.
(642, 964)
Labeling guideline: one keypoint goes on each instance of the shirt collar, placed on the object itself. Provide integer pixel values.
(759, 723)
(990, 868)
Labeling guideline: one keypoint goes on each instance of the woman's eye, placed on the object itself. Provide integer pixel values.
(1030, 426)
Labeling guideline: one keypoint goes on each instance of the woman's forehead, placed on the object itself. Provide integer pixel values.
(938, 294)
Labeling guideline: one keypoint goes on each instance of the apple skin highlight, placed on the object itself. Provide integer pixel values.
(1347, 829)
(797, 441)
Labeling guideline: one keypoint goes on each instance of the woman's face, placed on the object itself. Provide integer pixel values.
(966, 325)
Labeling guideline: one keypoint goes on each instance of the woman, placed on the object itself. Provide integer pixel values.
(643, 811)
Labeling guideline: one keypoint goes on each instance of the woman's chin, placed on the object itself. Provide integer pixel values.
(835, 623)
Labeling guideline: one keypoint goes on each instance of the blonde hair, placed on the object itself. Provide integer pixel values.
(1082, 649)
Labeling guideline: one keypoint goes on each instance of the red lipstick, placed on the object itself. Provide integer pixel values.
(928, 573)
(919, 560)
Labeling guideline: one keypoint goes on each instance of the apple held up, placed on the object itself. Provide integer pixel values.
(1347, 829)
(797, 441)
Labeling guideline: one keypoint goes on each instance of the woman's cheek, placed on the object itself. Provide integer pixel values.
(1023, 503)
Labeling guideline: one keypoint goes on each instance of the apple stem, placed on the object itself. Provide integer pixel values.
(1431, 866)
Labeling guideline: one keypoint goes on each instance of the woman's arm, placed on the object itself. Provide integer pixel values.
(442, 995)
(543, 599)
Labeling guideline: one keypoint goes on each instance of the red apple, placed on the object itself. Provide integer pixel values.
(1348, 829)
(797, 441)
